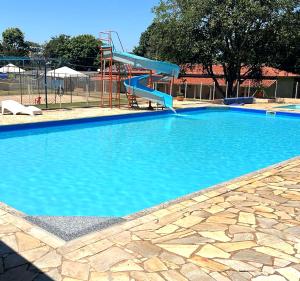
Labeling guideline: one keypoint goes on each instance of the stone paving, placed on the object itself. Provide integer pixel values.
(246, 229)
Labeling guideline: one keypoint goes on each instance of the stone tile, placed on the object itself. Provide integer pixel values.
(11, 242)
(170, 228)
(242, 237)
(128, 265)
(233, 229)
(182, 250)
(215, 209)
(100, 276)
(269, 278)
(170, 218)
(191, 239)
(8, 229)
(52, 259)
(277, 254)
(201, 198)
(281, 262)
(35, 254)
(26, 242)
(75, 270)
(251, 255)
(106, 259)
(143, 276)
(210, 227)
(247, 218)
(173, 275)
(209, 264)
(274, 242)
(154, 264)
(239, 276)
(290, 273)
(122, 238)
(171, 258)
(144, 248)
(237, 265)
(218, 276)
(188, 221)
(220, 219)
(235, 246)
(194, 273)
(216, 235)
(210, 251)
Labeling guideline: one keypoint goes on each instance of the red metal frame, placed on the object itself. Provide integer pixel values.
(106, 73)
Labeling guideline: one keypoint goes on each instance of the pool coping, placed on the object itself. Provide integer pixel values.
(215, 190)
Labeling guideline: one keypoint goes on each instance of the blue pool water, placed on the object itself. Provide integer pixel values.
(292, 106)
(116, 168)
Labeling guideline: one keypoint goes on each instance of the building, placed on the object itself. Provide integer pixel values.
(196, 83)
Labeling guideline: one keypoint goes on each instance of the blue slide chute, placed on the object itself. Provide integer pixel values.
(135, 86)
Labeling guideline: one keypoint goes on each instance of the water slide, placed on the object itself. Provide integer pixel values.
(137, 85)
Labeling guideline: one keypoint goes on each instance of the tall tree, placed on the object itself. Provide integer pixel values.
(13, 42)
(79, 52)
(238, 34)
(286, 55)
(83, 51)
(58, 47)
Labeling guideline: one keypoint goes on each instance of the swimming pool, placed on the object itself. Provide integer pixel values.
(121, 166)
(292, 106)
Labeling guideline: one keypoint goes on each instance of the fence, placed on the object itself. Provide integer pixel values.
(61, 91)
(280, 88)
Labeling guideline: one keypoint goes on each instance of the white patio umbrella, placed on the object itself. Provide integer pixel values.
(11, 68)
(64, 72)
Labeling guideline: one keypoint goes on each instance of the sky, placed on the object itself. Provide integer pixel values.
(40, 20)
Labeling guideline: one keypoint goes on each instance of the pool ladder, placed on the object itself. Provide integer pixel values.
(271, 113)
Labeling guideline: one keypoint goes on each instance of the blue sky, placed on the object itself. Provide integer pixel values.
(40, 20)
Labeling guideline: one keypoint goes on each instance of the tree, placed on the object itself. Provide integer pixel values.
(34, 48)
(147, 46)
(83, 51)
(58, 47)
(13, 42)
(238, 34)
(287, 52)
(79, 52)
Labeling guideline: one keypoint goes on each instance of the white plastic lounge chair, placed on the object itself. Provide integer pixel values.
(15, 107)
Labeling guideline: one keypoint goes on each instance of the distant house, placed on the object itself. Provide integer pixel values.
(196, 82)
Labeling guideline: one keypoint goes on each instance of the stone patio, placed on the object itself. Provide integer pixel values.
(246, 229)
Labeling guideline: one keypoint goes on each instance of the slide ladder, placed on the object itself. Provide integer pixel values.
(137, 86)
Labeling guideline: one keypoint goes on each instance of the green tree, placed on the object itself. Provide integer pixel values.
(58, 47)
(237, 34)
(286, 56)
(13, 42)
(83, 51)
(79, 52)
(147, 45)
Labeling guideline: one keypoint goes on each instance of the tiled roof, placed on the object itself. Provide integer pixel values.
(218, 70)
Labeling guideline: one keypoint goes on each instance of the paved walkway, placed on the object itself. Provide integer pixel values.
(248, 229)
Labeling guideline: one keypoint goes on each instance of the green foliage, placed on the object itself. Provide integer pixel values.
(287, 53)
(80, 51)
(83, 51)
(58, 47)
(233, 33)
(13, 42)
